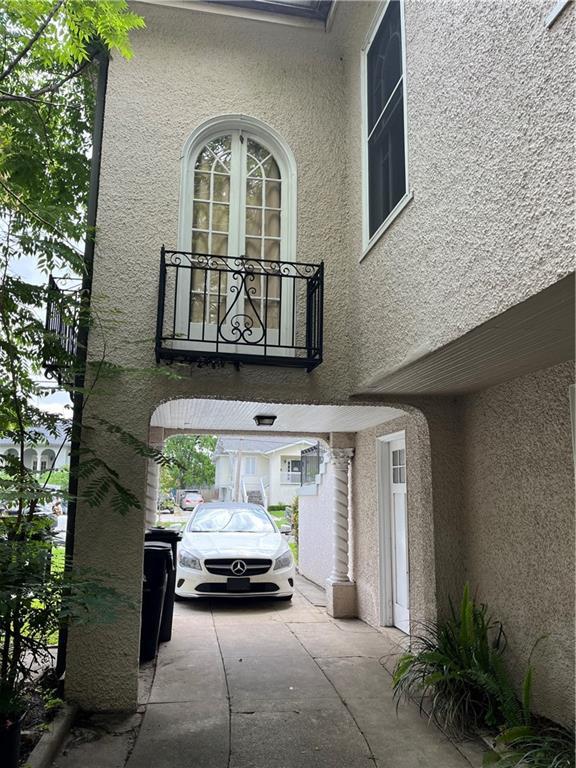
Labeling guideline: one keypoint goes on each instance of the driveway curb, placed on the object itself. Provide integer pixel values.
(50, 742)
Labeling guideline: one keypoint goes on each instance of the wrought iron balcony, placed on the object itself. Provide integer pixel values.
(216, 309)
(61, 325)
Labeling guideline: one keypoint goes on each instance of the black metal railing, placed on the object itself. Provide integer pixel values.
(311, 459)
(218, 309)
(61, 326)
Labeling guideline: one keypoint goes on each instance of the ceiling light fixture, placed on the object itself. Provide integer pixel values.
(264, 420)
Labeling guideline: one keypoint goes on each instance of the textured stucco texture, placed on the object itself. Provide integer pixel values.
(490, 501)
(315, 530)
(490, 104)
(519, 523)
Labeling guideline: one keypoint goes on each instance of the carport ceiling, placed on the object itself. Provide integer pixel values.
(238, 416)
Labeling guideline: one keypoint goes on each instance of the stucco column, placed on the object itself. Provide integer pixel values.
(340, 590)
(156, 441)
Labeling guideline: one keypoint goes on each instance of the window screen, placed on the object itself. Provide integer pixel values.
(385, 99)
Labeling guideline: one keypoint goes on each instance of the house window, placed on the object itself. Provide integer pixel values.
(249, 463)
(237, 209)
(399, 466)
(385, 121)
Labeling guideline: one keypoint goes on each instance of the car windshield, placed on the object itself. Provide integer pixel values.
(231, 520)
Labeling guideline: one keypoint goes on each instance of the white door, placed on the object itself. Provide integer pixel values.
(399, 535)
(394, 562)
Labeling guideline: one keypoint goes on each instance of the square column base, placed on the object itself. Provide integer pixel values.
(341, 599)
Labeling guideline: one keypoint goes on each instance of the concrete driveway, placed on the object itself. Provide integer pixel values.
(265, 684)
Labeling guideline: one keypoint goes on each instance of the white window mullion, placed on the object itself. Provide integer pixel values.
(237, 182)
(377, 123)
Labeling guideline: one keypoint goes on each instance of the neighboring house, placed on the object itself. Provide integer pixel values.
(44, 453)
(269, 471)
(399, 178)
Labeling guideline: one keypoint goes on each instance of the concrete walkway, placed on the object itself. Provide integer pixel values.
(264, 684)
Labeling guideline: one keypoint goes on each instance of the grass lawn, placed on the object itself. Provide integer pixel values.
(58, 556)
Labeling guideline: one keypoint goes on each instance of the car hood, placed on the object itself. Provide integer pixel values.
(235, 544)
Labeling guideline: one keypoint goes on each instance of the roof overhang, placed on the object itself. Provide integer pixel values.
(307, 13)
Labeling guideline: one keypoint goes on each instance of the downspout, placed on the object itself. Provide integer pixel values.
(83, 327)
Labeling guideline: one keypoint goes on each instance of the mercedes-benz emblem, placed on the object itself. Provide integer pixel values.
(238, 567)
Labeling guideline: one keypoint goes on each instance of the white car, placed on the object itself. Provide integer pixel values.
(233, 550)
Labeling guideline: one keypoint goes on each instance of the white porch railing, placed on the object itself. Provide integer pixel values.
(290, 478)
(264, 492)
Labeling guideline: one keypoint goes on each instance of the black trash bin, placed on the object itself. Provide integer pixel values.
(172, 538)
(157, 565)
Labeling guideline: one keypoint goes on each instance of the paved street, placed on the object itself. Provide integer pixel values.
(263, 684)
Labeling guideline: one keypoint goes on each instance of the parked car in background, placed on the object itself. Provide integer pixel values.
(233, 550)
(191, 499)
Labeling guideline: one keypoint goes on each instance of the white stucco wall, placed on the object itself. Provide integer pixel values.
(315, 530)
(491, 95)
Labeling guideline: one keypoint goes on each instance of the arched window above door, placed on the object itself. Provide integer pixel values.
(238, 192)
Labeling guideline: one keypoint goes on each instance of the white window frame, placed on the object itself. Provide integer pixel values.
(249, 466)
(269, 139)
(367, 241)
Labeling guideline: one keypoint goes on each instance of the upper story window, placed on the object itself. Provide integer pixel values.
(386, 172)
(236, 211)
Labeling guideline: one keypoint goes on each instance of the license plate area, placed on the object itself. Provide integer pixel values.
(240, 584)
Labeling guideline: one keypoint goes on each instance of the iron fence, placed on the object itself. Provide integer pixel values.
(218, 309)
(61, 326)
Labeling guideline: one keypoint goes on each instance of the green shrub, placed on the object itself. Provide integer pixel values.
(295, 512)
(540, 745)
(457, 665)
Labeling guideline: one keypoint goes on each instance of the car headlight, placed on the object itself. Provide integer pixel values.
(187, 560)
(284, 561)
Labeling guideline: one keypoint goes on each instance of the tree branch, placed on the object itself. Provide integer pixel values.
(13, 64)
(39, 218)
(57, 84)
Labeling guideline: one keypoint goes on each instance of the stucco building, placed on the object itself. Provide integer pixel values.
(399, 178)
(43, 452)
(263, 470)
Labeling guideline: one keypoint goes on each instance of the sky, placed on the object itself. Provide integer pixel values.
(58, 402)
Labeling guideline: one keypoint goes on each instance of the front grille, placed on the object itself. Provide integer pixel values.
(265, 586)
(254, 566)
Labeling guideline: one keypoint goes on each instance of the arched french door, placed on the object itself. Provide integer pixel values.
(236, 223)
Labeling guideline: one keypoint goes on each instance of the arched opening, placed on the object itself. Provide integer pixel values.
(31, 459)
(47, 460)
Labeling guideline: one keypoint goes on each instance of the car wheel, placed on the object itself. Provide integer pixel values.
(285, 597)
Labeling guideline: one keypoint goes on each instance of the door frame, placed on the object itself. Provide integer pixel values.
(385, 542)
